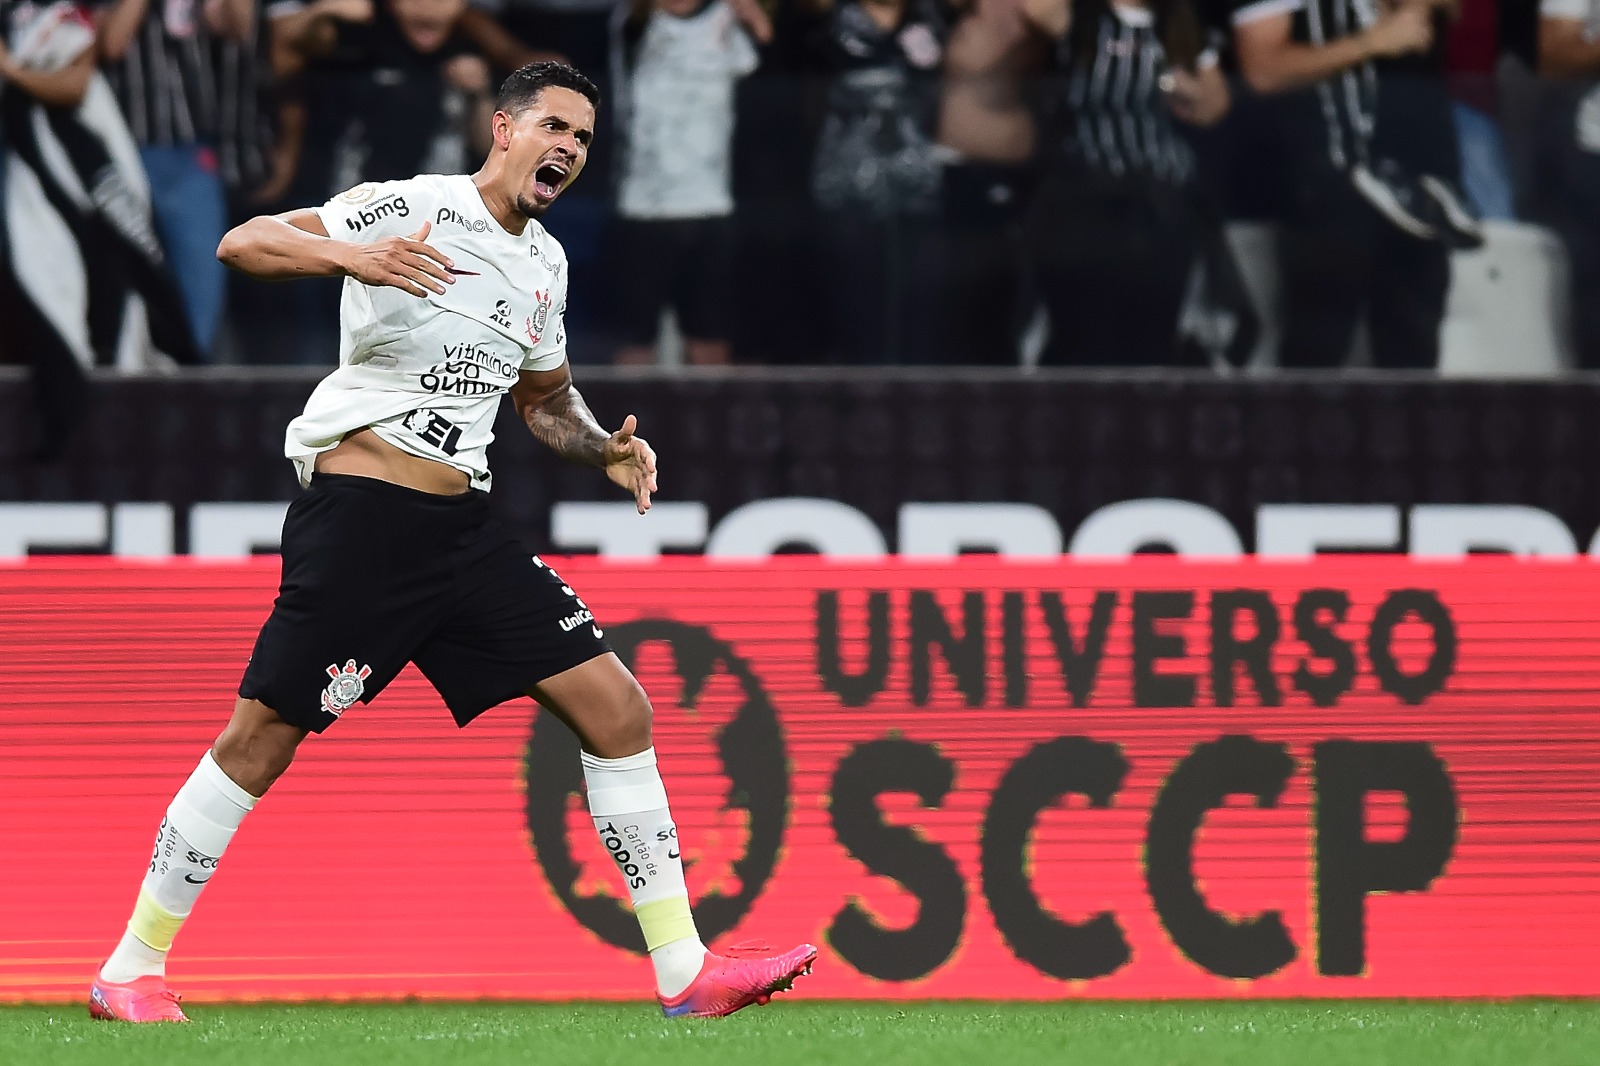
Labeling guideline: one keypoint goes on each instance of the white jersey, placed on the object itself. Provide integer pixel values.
(427, 373)
(677, 152)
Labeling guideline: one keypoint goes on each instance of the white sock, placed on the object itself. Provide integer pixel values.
(201, 820)
(629, 806)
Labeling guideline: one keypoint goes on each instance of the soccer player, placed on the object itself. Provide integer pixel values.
(390, 554)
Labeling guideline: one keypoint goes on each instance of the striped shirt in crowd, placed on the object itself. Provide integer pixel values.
(1349, 99)
(166, 82)
(244, 132)
(180, 84)
(1115, 117)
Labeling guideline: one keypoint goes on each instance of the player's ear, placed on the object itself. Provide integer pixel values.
(500, 126)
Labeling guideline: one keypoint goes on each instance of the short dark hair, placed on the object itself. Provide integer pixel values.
(522, 88)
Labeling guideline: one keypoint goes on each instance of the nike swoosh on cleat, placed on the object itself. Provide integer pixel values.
(191, 879)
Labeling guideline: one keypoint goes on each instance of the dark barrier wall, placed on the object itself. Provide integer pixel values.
(1068, 446)
(979, 779)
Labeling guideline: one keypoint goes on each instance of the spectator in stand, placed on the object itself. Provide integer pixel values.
(677, 64)
(256, 169)
(1117, 233)
(160, 60)
(1368, 145)
(244, 128)
(83, 277)
(987, 127)
(383, 92)
(875, 179)
(390, 92)
(512, 32)
(504, 50)
(1472, 57)
(1569, 51)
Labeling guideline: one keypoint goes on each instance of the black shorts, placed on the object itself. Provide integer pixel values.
(376, 576)
(685, 264)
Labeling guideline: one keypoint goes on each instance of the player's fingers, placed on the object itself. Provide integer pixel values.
(419, 249)
(428, 266)
(623, 435)
(421, 233)
(432, 284)
(396, 280)
(419, 284)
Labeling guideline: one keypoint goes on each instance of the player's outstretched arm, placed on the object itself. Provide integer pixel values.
(296, 245)
(555, 413)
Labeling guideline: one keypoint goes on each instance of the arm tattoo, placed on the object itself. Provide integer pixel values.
(565, 423)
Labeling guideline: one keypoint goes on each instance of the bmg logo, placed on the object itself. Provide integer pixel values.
(371, 216)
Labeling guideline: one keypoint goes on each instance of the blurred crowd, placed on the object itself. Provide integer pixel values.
(842, 182)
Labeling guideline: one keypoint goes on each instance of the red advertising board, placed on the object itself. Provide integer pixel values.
(1350, 777)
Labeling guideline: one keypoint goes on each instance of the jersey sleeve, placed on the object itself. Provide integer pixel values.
(550, 348)
(377, 209)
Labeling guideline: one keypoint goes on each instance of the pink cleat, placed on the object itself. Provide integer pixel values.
(748, 974)
(144, 999)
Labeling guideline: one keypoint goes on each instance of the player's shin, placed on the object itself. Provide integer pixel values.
(629, 806)
(199, 823)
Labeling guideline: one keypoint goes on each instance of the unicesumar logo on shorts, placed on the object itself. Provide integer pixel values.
(346, 687)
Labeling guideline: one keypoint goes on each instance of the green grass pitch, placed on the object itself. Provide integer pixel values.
(823, 1033)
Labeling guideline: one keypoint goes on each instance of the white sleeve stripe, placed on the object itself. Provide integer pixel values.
(1263, 9)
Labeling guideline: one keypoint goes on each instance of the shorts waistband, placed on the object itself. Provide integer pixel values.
(321, 482)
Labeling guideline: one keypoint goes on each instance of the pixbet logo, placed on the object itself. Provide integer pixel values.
(371, 216)
(475, 225)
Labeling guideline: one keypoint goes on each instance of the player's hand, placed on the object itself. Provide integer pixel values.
(1401, 31)
(470, 74)
(402, 263)
(631, 463)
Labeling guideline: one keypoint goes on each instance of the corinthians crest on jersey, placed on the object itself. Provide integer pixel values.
(536, 322)
(346, 687)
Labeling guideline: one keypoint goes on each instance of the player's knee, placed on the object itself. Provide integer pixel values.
(256, 747)
(626, 729)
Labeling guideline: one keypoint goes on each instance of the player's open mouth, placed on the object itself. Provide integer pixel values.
(547, 180)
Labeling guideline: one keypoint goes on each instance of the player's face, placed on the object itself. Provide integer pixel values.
(547, 147)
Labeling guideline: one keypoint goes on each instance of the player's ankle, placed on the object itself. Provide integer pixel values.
(131, 960)
(677, 965)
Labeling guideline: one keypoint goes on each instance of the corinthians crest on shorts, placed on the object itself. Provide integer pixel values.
(346, 687)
